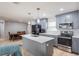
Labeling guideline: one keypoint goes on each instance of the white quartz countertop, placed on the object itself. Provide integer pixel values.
(49, 33)
(40, 39)
(76, 36)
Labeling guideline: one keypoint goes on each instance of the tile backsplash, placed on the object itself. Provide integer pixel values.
(75, 31)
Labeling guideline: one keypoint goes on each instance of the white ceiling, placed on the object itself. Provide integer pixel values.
(19, 12)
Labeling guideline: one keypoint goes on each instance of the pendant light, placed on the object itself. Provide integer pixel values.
(29, 22)
(38, 18)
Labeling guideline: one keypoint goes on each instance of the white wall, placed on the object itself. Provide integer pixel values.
(2, 29)
(14, 27)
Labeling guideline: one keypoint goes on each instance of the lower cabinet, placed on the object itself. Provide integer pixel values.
(55, 40)
(38, 49)
(49, 46)
(75, 45)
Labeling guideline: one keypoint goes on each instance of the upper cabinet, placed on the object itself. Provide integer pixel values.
(43, 22)
(70, 17)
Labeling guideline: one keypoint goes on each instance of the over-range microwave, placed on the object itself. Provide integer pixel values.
(66, 26)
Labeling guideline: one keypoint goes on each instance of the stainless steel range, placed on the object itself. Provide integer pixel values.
(65, 40)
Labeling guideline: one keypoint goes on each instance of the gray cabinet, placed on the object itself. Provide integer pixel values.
(43, 22)
(49, 48)
(70, 17)
(56, 40)
(38, 49)
(75, 45)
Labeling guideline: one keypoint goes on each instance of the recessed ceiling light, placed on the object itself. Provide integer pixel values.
(61, 9)
(29, 22)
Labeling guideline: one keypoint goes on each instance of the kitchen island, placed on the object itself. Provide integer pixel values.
(55, 35)
(38, 46)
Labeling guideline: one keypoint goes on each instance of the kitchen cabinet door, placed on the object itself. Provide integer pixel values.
(49, 48)
(62, 19)
(68, 18)
(75, 20)
(72, 18)
(75, 45)
(59, 19)
(35, 48)
(78, 19)
(55, 39)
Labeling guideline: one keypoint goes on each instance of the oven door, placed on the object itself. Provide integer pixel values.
(65, 41)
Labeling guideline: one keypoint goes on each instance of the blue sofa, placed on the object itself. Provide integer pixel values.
(12, 49)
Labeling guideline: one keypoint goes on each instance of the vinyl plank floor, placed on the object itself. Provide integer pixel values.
(25, 52)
